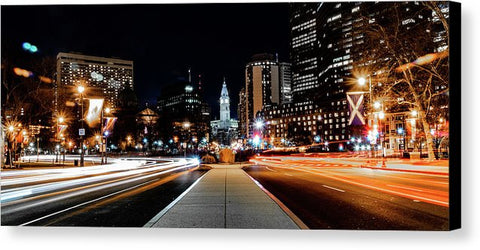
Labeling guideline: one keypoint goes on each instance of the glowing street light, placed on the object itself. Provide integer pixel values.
(186, 125)
(361, 81)
(259, 124)
(377, 105)
(381, 115)
(414, 113)
(80, 89)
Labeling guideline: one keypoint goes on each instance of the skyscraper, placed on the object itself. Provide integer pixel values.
(330, 48)
(304, 49)
(267, 83)
(242, 113)
(285, 78)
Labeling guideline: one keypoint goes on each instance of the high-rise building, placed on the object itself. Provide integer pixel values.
(103, 77)
(304, 49)
(285, 78)
(267, 82)
(184, 114)
(225, 129)
(242, 113)
(327, 45)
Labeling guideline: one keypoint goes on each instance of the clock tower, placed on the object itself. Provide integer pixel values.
(224, 107)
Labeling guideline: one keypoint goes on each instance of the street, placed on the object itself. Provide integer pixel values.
(125, 193)
(332, 193)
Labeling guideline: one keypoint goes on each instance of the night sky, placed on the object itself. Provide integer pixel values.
(163, 40)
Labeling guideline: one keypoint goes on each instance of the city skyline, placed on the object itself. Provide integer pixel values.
(348, 116)
(207, 38)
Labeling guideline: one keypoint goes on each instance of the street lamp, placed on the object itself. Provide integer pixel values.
(186, 125)
(80, 90)
(362, 81)
(12, 128)
(103, 148)
(259, 124)
(60, 120)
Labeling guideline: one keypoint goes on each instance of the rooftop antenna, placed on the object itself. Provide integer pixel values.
(190, 75)
(200, 81)
(276, 57)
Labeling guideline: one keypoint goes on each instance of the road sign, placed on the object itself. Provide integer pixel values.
(81, 131)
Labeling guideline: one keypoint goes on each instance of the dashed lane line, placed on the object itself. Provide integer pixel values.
(336, 189)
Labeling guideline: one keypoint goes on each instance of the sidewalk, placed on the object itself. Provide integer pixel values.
(225, 197)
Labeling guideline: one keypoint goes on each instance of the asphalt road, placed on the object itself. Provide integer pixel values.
(328, 194)
(123, 194)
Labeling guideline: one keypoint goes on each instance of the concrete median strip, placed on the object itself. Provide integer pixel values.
(225, 197)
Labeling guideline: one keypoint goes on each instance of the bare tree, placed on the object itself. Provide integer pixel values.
(406, 53)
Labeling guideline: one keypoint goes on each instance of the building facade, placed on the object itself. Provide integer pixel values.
(101, 76)
(267, 83)
(184, 114)
(328, 53)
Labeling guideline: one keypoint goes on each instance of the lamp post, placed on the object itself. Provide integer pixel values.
(362, 81)
(38, 148)
(381, 116)
(11, 130)
(80, 90)
(102, 147)
(186, 125)
(259, 126)
(60, 120)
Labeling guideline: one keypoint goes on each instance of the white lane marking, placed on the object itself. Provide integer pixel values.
(336, 189)
(271, 169)
(438, 202)
(85, 203)
(408, 188)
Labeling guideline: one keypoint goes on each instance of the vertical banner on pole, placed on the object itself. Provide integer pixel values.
(94, 111)
(60, 130)
(109, 123)
(356, 108)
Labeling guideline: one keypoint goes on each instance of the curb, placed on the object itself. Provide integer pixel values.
(158, 216)
(282, 206)
(406, 170)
